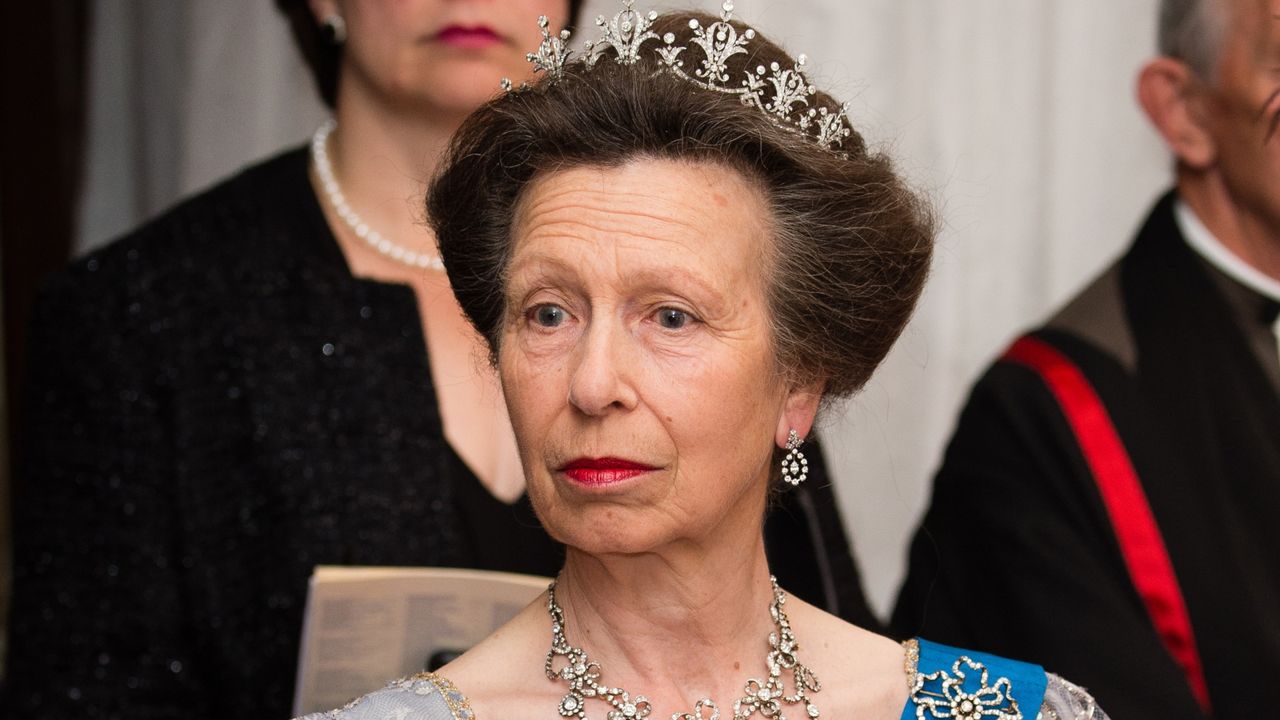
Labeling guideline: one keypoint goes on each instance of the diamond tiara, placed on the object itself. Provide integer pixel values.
(781, 93)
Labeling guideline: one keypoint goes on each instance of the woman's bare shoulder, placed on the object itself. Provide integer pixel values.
(862, 674)
(503, 675)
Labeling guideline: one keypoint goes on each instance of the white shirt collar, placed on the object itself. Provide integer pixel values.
(1212, 250)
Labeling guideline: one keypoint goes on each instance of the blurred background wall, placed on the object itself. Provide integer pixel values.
(1016, 117)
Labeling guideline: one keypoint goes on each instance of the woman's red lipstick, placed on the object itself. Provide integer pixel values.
(603, 471)
(463, 36)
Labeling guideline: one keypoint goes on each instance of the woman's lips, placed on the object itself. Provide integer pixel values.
(603, 471)
(461, 36)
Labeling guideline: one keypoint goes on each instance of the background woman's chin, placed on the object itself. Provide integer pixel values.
(459, 85)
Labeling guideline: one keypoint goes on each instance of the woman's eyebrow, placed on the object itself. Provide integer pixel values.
(666, 275)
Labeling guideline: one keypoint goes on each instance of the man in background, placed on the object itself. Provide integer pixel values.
(1109, 501)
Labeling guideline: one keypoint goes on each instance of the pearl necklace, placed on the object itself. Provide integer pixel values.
(765, 697)
(338, 201)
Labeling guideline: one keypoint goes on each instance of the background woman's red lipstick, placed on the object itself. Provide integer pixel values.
(467, 37)
(603, 471)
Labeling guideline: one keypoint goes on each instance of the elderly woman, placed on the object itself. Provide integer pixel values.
(678, 251)
(275, 375)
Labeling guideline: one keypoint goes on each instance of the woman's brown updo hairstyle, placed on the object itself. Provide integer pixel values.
(851, 241)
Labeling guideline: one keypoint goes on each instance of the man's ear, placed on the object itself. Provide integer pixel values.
(1175, 100)
(798, 412)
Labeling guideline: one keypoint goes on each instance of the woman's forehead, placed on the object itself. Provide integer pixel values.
(643, 214)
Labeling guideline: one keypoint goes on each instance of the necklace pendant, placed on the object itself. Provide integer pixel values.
(701, 705)
(625, 709)
(572, 706)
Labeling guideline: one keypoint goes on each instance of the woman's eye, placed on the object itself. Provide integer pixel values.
(549, 315)
(673, 319)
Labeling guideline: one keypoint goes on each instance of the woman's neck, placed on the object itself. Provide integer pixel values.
(676, 626)
(383, 160)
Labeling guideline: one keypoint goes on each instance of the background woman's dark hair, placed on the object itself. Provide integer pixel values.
(852, 242)
(323, 55)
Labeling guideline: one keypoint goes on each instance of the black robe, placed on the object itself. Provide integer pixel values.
(215, 406)
(1017, 555)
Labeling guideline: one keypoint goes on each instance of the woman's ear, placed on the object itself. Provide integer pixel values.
(798, 412)
(1175, 100)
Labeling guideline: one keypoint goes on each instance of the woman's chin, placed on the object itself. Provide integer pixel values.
(614, 530)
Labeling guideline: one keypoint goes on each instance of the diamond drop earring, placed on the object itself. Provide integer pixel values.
(795, 466)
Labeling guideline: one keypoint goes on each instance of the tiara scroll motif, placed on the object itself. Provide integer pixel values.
(782, 94)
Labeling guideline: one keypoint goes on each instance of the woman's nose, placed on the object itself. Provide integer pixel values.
(601, 379)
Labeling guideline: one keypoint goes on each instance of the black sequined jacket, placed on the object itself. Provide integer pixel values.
(216, 405)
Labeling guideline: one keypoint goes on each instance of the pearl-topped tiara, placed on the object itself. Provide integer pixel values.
(781, 93)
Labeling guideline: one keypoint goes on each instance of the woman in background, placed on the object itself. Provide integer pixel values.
(272, 376)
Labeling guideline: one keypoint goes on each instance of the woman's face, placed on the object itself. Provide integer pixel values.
(636, 354)
(437, 56)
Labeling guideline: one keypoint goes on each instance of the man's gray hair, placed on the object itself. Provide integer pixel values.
(1192, 31)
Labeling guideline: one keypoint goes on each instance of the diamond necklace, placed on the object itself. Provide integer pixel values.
(766, 698)
(338, 201)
